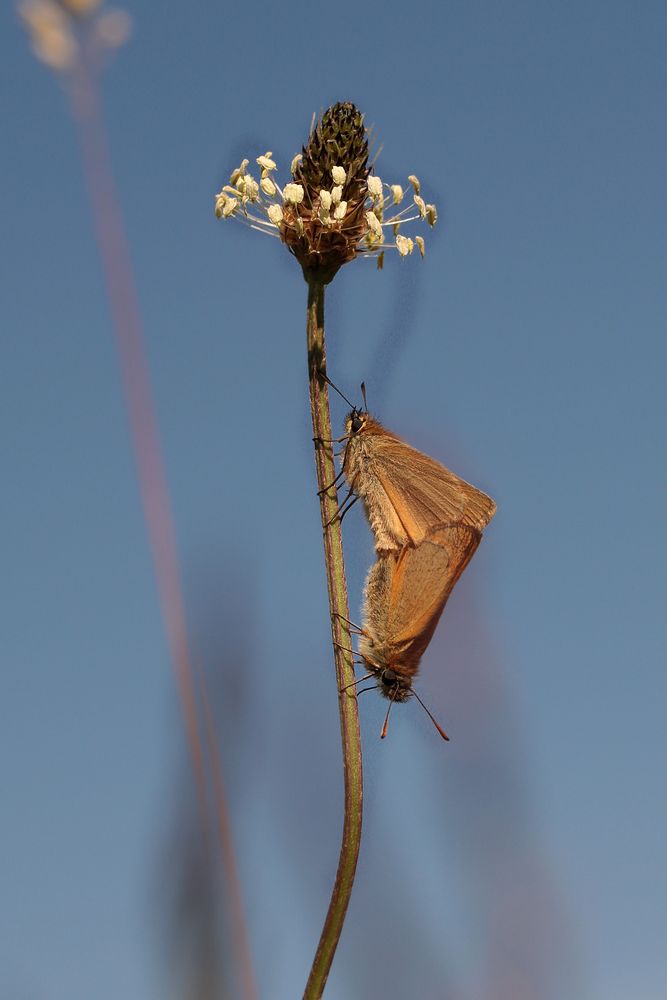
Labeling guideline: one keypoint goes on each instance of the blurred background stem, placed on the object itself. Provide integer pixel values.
(342, 643)
(123, 299)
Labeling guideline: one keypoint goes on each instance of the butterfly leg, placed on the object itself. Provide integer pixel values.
(351, 504)
(325, 489)
(346, 649)
(343, 509)
(321, 440)
(357, 629)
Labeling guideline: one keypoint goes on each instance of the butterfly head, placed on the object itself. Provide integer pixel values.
(355, 421)
(398, 687)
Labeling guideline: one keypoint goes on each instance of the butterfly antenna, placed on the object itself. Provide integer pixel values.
(335, 388)
(386, 718)
(437, 726)
(363, 396)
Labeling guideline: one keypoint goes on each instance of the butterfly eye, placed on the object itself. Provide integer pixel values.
(356, 423)
(388, 678)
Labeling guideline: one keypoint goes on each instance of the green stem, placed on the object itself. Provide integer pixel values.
(338, 605)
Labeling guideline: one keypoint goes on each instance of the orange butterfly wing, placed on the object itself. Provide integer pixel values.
(423, 492)
(422, 580)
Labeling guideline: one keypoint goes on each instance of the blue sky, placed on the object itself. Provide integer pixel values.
(527, 352)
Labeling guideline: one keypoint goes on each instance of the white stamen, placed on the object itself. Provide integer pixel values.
(404, 245)
(275, 214)
(374, 185)
(374, 224)
(267, 186)
(293, 194)
(266, 163)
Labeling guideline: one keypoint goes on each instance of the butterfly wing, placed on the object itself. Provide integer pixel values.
(423, 493)
(422, 578)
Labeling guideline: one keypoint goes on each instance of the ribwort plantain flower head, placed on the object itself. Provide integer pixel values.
(335, 208)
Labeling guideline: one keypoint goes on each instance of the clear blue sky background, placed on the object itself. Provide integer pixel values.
(527, 352)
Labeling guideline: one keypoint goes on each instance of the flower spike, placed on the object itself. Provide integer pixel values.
(334, 208)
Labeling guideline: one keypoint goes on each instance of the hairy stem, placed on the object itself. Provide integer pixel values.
(338, 605)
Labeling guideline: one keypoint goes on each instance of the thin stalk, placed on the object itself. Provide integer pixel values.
(153, 483)
(338, 606)
(127, 326)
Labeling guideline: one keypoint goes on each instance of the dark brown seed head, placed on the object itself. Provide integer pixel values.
(321, 238)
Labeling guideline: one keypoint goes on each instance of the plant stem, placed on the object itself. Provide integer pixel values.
(338, 605)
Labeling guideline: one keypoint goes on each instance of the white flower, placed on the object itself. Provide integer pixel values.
(247, 187)
(293, 194)
(419, 202)
(113, 28)
(66, 32)
(267, 186)
(224, 205)
(374, 224)
(81, 6)
(240, 170)
(404, 245)
(322, 215)
(374, 185)
(266, 163)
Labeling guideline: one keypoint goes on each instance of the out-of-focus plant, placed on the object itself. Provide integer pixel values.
(73, 38)
(63, 31)
(333, 210)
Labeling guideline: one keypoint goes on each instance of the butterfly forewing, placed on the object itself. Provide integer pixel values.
(405, 492)
(426, 493)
